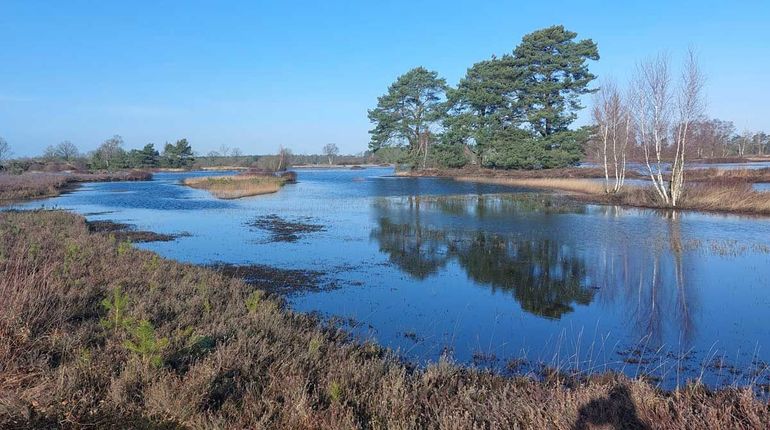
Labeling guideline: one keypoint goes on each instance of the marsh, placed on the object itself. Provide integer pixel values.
(433, 267)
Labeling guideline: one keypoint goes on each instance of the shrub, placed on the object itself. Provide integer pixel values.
(116, 305)
(145, 343)
(252, 302)
(335, 392)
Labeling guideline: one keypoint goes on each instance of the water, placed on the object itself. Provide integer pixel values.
(492, 276)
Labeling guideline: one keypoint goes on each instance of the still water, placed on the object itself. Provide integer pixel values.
(488, 275)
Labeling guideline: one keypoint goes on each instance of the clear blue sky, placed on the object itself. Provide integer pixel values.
(258, 74)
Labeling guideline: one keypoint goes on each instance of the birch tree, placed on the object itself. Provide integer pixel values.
(613, 122)
(651, 106)
(663, 115)
(690, 106)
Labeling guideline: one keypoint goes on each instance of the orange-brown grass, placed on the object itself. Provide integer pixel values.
(33, 185)
(713, 196)
(728, 176)
(237, 186)
(581, 186)
(739, 198)
(191, 348)
(475, 172)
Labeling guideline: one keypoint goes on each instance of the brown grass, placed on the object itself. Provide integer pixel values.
(214, 352)
(40, 185)
(475, 172)
(237, 186)
(714, 196)
(581, 186)
(729, 176)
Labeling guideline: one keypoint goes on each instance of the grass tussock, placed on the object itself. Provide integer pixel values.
(34, 185)
(94, 333)
(237, 186)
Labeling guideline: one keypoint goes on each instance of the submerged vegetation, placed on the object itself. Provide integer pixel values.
(283, 230)
(237, 186)
(134, 340)
(126, 233)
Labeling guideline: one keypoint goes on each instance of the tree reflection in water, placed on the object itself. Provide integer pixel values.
(548, 274)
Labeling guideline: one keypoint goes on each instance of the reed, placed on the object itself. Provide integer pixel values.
(727, 195)
(237, 186)
(572, 185)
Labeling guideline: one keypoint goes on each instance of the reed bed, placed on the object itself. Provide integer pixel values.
(237, 186)
(581, 186)
(97, 334)
(729, 176)
(475, 172)
(715, 196)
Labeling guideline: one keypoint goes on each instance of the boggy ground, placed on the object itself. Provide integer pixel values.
(284, 230)
(35, 185)
(124, 232)
(95, 333)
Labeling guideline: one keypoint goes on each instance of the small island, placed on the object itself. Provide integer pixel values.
(245, 184)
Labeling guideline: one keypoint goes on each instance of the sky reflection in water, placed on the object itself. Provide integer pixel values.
(487, 273)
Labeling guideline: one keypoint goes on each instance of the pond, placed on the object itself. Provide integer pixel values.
(487, 275)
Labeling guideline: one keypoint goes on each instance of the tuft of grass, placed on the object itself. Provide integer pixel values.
(235, 187)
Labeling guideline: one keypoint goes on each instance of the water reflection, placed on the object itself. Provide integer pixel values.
(549, 272)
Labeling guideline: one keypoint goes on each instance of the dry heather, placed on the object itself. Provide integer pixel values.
(237, 186)
(40, 185)
(95, 333)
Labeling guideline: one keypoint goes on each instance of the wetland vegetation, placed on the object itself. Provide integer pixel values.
(235, 187)
(135, 340)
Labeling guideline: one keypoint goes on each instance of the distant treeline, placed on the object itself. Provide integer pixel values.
(111, 156)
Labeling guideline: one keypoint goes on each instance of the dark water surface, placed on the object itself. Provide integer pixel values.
(489, 275)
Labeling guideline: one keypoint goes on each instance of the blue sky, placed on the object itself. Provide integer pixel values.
(256, 74)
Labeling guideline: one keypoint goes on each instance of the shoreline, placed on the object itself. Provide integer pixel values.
(338, 166)
(42, 185)
(242, 359)
(709, 196)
